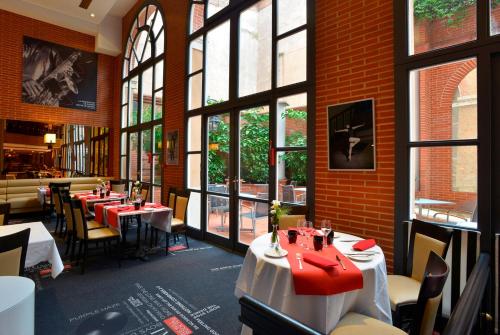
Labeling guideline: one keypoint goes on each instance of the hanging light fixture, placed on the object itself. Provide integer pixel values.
(49, 139)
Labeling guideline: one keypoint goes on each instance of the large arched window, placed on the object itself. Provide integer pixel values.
(142, 100)
(250, 87)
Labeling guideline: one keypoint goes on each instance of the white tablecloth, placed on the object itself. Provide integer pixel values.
(17, 305)
(41, 246)
(160, 218)
(270, 281)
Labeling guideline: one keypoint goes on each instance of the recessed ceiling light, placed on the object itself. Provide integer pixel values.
(92, 15)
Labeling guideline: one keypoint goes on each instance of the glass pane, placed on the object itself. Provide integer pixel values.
(157, 171)
(443, 102)
(158, 75)
(151, 15)
(218, 153)
(147, 95)
(124, 116)
(125, 93)
(133, 153)
(217, 65)
(123, 150)
(157, 195)
(146, 156)
(215, 6)
(140, 44)
(194, 133)
(291, 172)
(218, 215)
(292, 121)
(194, 171)
(125, 68)
(255, 49)
(443, 184)
(160, 43)
(157, 25)
(123, 168)
(253, 220)
(196, 55)
(291, 14)
(158, 98)
(158, 133)
(494, 17)
(438, 24)
(292, 59)
(195, 91)
(254, 152)
(197, 17)
(134, 93)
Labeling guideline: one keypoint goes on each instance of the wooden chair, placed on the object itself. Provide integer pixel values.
(171, 198)
(403, 289)
(264, 320)
(55, 193)
(117, 186)
(13, 250)
(295, 213)
(4, 214)
(70, 226)
(84, 235)
(179, 225)
(62, 186)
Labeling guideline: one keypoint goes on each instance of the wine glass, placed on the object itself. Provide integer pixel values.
(326, 228)
(308, 229)
(300, 230)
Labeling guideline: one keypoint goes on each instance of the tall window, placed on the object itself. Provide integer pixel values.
(247, 112)
(142, 101)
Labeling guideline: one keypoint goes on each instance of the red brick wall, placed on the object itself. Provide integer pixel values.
(354, 60)
(14, 27)
(175, 15)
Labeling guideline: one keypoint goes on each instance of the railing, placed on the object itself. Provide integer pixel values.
(461, 257)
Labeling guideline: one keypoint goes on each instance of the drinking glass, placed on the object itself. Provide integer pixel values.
(300, 230)
(326, 228)
(308, 229)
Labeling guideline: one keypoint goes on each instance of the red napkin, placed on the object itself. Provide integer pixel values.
(364, 244)
(320, 262)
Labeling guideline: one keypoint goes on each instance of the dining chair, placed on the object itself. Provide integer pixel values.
(264, 320)
(4, 214)
(254, 211)
(70, 226)
(117, 186)
(13, 250)
(403, 289)
(55, 192)
(84, 235)
(288, 193)
(295, 213)
(145, 191)
(171, 198)
(179, 224)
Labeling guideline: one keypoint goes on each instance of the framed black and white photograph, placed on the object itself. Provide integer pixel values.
(58, 76)
(351, 136)
(172, 154)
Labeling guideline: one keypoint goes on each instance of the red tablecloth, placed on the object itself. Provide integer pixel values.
(113, 215)
(84, 197)
(99, 209)
(313, 280)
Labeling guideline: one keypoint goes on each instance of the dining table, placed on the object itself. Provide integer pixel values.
(270, 280)
(41, 245)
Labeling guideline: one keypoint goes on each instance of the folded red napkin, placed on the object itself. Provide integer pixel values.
(128, 208)
(321, 262)
(364, 244)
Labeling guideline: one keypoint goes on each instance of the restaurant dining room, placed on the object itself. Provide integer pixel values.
(267, 167)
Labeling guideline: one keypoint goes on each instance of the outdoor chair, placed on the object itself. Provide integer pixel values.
(254, 211)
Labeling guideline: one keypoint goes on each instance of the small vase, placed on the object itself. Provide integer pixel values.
(275, 240)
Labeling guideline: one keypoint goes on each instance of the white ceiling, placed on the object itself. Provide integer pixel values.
(106, 25)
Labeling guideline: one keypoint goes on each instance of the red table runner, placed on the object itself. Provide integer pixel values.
(99, 209)
(113, 215)
(313, 280)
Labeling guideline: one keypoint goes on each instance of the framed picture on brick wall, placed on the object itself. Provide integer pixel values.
(172, 148)
(351, 136)
(58, 76)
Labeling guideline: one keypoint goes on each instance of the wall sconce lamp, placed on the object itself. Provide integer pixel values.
(49, 139)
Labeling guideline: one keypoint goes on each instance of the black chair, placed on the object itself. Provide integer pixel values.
(255, 211)
(13, 250)
(466, 312)
(4, 214)
(265, 320)
(403, 289)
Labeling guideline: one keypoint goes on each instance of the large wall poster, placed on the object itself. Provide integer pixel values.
(351, 136)
(59, 76)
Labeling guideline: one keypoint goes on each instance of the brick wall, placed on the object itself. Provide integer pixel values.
(14, 27)
(354, 60)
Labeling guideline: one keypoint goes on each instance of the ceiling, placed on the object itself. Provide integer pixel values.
(105, 25)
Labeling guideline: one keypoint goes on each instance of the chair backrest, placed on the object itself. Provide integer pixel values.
(13, 249)
(466, 311)
(288, 193)
(424, 238)
(63, 186)
(4, 214)
(56, 196)
(261, 208)
(145, 191)
(68, 212)
(117, 185)
(79, 219)
(429, 296)
(171, 200)
(290, 221)
(181, 204)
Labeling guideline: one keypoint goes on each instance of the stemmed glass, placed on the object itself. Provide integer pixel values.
(308, 229)
(326, 228)
(300, 230)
